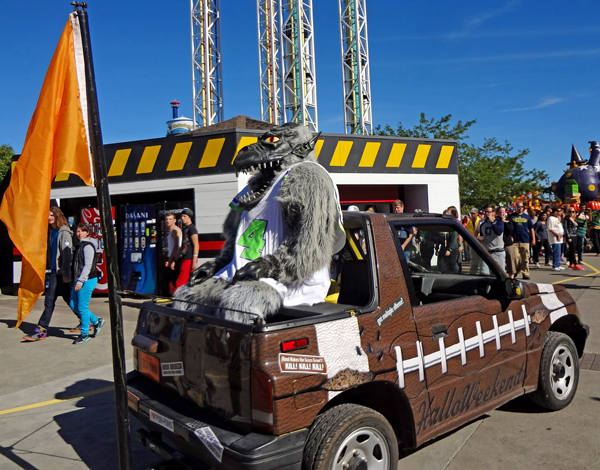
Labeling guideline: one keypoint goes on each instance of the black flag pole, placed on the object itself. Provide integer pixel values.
(110, 245)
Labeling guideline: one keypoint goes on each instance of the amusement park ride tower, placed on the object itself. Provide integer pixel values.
(358, 118)
(207, 84)
(287, 62)
(288, 84)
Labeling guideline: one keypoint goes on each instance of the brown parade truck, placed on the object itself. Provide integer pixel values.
(409, 346)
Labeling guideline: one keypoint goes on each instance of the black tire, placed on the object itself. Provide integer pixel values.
(559, 373)
(350, 434)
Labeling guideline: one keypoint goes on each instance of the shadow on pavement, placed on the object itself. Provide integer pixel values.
(29, 328)
(54, 331)
(577, 287)
(11, 324)
(91, 429)
(522, 404)
(9, 453)
(406, 452)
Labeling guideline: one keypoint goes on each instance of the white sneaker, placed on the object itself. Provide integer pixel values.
(556, 269)
(561, 268)
(537, 265)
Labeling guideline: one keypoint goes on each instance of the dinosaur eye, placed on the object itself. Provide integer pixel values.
(272, 139)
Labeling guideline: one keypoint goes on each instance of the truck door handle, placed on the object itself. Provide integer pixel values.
(439, 331)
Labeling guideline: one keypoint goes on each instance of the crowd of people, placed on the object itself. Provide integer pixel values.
(516, 238)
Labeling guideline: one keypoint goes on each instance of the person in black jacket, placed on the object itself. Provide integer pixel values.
(541, 240)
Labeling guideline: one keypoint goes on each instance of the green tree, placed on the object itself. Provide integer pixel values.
(487, 174)
(6, 153)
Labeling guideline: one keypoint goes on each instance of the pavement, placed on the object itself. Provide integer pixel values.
(57, 404)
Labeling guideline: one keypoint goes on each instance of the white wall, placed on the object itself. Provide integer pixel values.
(442, 190)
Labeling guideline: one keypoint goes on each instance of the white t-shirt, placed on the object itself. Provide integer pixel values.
(555, 226)
(261, 232)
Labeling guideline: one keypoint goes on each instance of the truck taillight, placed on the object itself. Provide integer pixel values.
(293, 344)
(262, 401)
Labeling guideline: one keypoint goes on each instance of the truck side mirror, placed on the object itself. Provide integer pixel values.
(514, 289)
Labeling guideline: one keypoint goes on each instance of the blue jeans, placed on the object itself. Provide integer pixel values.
(556, 248)
(56, 287)
(80, 304)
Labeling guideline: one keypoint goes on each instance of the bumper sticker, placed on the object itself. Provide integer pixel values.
(170, 369)
(208, 438)
(302, 364)
(161, 420)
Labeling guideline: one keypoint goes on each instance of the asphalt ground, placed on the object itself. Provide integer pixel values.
(57, 404)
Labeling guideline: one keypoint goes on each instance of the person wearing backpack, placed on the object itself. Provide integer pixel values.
(85, 276)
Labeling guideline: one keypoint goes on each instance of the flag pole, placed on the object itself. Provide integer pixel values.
(110, 245)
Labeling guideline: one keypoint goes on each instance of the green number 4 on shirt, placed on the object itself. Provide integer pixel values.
(252, 239)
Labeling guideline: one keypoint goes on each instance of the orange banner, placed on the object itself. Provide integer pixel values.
(56, 142)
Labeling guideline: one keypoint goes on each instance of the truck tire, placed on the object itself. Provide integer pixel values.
(350, 437)
(559, 373)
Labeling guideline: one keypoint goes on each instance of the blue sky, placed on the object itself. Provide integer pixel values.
(527, 71)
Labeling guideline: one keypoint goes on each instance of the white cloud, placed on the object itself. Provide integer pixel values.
(477, 21)
(542, 104)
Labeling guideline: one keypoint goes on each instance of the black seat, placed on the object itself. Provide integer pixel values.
(355, 288)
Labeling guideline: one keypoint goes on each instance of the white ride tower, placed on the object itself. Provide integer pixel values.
(270, 62)
(207, 81)
(358, 118)
(287, 62)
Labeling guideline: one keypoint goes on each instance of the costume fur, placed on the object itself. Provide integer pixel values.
(313, 233)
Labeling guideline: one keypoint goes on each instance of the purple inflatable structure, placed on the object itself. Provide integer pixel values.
(584, 173)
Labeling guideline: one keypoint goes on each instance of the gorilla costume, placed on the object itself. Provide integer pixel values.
(280, 235)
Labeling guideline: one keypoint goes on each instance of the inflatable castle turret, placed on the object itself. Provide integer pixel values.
(580, 181)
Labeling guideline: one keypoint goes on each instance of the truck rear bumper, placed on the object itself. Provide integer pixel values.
(175, 431)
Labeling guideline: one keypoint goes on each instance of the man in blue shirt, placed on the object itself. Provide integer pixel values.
(523, 235)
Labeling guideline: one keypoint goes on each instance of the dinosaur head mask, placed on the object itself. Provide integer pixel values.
(276, 150)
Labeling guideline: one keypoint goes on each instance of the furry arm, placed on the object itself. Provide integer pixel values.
(310, 211)
(210, 268)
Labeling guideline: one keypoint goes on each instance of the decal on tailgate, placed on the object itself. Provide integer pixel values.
(299, 363)
(161, 420)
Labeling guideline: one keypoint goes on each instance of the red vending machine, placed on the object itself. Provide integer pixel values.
(91, 217)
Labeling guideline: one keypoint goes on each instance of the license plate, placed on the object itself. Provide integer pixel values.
(150, 366)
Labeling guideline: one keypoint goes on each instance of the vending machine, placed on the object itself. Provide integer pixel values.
(139, 251)
(91, 217)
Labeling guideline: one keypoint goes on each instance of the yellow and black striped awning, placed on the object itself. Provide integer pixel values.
(188, 155)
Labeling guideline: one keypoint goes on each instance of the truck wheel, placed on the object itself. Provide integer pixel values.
(350, 437)
(559, 373)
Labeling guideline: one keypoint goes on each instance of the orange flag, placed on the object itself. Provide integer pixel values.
(56, 142)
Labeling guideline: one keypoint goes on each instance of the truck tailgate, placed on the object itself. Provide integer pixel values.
(199, 358)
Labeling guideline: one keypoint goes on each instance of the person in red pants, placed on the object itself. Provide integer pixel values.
(189, 248)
